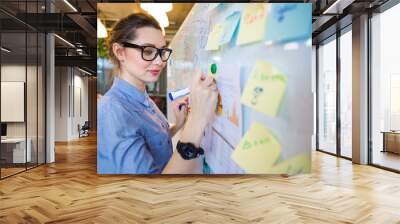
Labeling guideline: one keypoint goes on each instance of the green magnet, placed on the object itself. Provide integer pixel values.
(213, 68)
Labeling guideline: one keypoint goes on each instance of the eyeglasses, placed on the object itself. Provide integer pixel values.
(150, 53)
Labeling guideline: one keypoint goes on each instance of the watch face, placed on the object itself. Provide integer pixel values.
(190, 152)
(187, 150)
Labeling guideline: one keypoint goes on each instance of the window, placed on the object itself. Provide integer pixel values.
(327, 96)
(385, 89)
(346, 93)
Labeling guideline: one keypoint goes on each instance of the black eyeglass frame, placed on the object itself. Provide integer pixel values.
(159, 50)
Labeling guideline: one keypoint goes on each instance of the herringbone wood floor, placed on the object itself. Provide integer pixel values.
(70, 191)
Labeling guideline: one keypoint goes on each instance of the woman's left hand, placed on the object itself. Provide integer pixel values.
(180, 115)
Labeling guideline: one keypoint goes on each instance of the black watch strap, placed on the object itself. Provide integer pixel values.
(188, 150)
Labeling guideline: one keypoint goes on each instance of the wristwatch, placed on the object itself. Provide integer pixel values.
(188, 150)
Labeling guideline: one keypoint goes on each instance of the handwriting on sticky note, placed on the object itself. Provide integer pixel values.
(253, 23)
(214, 36)
(297, 164)
(258, 150)
(289, 22)
(282, 9)
(257, 142)
(264, 89)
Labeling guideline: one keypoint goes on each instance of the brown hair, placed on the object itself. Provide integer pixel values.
(125, 30)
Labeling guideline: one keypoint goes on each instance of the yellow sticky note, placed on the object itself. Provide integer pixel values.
(297, 164)
(214, 36)
(252, 23)
(258, 150)
(264, 89)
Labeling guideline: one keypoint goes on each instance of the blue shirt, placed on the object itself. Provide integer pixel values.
(132, 134)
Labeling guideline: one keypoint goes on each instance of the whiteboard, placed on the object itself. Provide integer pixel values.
(293, 126)
(12, 101)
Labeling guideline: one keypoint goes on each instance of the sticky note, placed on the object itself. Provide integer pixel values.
(214, 36)
(230, 26)
(252, 23)
(264, 89)
(289, 22)
(297, 164)
(258, 150)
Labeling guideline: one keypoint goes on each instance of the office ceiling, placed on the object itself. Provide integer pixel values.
(109, 13)
(328, 13)
(79, 28)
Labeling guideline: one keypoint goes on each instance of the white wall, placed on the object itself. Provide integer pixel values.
(33, 127)
(61, 103)
(12, 73)
(70, 83)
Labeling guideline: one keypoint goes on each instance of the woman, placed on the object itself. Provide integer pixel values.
(133, 135)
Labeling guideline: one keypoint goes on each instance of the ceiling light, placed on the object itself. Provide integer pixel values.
(162, 18)
(158, 11)
(64, 40)
(84, 71)
(70, 5)
(101, 29)
(5, 49)
(163, 7)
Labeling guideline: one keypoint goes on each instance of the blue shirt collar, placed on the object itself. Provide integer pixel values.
(131, 91)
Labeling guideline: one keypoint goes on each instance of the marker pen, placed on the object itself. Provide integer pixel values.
(173, 95)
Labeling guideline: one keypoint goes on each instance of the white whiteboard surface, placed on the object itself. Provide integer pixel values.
(292, 126)
(12, 101)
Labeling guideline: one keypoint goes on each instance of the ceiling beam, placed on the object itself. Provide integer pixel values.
(338, 6)
(83, 23)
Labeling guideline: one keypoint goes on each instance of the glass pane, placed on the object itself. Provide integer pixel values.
(13, 87)
(327, 97)
(346, 94)
(41, 99)
(386, 89)
(31, 97)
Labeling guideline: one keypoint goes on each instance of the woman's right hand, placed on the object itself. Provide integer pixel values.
(203, 103)
(203, 99)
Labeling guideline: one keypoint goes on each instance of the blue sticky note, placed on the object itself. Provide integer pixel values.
(230, 26)
(289, 22)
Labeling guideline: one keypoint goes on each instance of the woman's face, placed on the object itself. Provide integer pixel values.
(131, 58)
